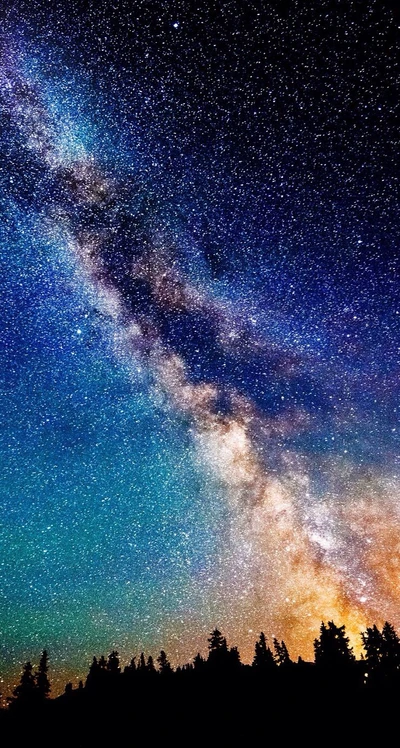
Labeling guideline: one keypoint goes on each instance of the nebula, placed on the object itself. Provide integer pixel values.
(306, 519)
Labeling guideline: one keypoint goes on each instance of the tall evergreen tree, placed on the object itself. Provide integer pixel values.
(164, 665)
(332, 649)
(218, 655)
(373, 644)
(263, 657)
(25, 693)
(94, 674)
(390, 647)
(150, 667)
(282, 656)
(234, 658)
(42, 680)
(217, 642)
(95, 667)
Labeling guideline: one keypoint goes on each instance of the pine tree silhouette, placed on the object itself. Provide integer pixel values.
(373, 644)
(234, 658)
(281, 653)
(164, 665)
(334, 668)
(42, 680)
(218, 654)
(25, 693)
(332, 649)
(216, 642)
(390, 648)
(263, 657)
(150, 665)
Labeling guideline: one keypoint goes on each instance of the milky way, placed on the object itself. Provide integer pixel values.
(200, 327)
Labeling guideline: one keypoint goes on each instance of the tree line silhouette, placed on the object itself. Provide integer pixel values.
(216, 698)
(334, 664)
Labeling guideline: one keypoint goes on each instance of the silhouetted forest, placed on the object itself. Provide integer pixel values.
(217, 696)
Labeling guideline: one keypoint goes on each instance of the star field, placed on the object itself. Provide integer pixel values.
(199, 331)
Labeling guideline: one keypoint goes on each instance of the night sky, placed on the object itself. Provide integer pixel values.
(199, 327)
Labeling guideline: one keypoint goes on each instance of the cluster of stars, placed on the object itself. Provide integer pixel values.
(200, 338)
